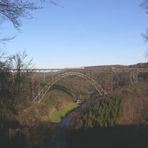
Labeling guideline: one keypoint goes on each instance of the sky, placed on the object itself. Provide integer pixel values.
(82, 33)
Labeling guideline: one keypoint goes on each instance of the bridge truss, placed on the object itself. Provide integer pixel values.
(59, 77)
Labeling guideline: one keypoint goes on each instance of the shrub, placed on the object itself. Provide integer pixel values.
(98, 113)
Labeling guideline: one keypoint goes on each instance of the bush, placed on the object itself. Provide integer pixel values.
(98, 113)
(105, 113)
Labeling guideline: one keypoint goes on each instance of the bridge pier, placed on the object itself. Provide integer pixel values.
(134, 76)
(44, 76)
(108, 81)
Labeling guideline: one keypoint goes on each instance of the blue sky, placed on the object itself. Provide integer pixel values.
(82, 33)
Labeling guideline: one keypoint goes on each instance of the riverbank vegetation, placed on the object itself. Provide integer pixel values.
(59, 114)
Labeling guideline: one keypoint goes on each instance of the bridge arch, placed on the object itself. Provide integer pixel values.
(59, 77)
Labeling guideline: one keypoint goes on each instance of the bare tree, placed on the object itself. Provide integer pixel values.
(145, 35)
(13, 10)
(4, 61)
(6, 85)
(19, 62)
(145, 6)
(15, 87)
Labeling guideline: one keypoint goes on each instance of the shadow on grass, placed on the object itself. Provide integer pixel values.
(112, 137)
(27, 137)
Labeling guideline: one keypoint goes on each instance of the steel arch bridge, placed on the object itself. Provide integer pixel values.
(39, 97)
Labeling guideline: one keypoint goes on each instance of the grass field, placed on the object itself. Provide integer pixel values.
(57, 115)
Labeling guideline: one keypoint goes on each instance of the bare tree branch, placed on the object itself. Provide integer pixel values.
(145, 6)
(8, 38)
(21, 61)
(13, 10)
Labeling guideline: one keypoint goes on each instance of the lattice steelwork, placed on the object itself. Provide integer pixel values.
(46, 88)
